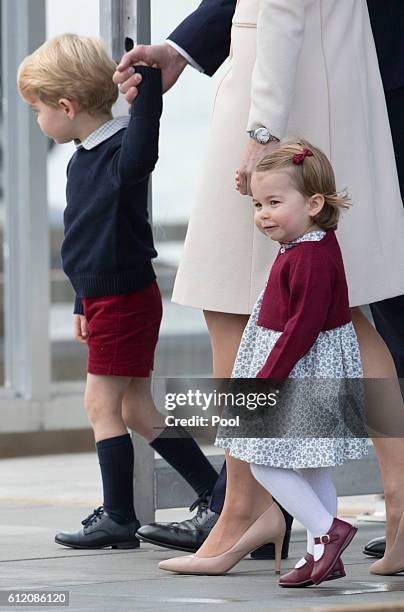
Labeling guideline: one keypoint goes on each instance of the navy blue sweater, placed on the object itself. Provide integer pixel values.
(108, 241)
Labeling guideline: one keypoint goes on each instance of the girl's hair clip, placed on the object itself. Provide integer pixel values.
(299, 157)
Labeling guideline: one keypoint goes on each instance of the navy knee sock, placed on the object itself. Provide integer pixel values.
(181, 451)
(116, 458)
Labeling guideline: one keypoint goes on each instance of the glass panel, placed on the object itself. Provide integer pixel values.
(1, 230)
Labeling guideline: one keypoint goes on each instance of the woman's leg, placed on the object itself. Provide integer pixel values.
(245, 499)
(390, 453)
(377, 363)
(225, 331)
(174, 444)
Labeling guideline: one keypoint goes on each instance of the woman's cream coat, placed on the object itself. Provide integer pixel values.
(302, 68)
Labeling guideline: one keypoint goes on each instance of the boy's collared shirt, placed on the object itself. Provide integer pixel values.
(105, 131)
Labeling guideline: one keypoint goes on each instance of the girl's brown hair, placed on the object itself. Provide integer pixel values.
(311, 176)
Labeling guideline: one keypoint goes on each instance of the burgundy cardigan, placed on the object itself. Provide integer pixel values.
(306, 293)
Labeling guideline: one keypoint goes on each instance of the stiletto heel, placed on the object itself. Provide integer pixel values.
(269, 527)
(278, 555)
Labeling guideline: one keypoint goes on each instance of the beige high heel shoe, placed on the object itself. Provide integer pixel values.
(269, 527)
(393, 561)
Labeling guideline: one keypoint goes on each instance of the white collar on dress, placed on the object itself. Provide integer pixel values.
(313, 236)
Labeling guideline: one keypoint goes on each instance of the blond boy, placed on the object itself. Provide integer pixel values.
(106, 253)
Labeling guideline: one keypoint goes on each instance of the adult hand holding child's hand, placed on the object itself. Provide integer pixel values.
(162, 56)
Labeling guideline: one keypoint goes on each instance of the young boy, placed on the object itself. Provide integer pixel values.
(106, 253)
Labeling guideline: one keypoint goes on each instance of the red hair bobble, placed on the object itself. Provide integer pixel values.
(299, 157)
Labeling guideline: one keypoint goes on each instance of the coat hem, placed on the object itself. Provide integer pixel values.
(245, 311)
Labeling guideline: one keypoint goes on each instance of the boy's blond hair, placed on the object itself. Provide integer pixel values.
(73, 67)
(312, 175)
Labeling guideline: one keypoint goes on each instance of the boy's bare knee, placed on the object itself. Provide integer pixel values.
(98, 406)
(93, 405)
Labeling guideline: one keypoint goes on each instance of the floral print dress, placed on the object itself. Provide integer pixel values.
(334, 355)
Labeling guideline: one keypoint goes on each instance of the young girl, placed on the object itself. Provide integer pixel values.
(300, 327)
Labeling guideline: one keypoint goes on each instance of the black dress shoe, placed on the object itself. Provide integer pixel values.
(186, 535)
(268, 550)
(376, 547)
(100, 531)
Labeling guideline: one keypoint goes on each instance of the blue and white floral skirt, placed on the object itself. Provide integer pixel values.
(335, 355)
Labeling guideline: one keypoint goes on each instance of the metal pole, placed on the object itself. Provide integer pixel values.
(26, 243)
(122, 24)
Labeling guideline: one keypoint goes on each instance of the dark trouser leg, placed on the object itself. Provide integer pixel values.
(388, 314)
(219, 491)
(181, 451)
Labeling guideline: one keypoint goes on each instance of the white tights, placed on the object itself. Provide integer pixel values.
(308, 494)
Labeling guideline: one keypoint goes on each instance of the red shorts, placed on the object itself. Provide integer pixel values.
(123, 332)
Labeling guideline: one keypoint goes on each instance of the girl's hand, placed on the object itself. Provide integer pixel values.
(80, 328)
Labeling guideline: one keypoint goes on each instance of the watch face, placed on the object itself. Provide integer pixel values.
(262, 135)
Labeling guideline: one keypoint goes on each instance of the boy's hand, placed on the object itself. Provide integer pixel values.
(80, 328)
(161, 56)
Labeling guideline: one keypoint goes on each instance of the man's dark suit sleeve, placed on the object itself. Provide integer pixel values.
(205, 33)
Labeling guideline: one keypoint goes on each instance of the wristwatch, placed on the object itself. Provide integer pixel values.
(262, 135)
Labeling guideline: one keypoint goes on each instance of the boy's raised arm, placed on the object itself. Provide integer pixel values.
(138, 153)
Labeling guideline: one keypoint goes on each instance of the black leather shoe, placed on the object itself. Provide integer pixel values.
(268, 550)
(186, 535)
(376, 547)
(100, 531)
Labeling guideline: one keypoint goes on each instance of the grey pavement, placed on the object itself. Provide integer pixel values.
(41, 495)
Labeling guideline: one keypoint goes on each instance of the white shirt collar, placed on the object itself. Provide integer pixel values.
(313, 236)
(105, 131)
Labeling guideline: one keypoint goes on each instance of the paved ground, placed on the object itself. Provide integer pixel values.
(32, 508)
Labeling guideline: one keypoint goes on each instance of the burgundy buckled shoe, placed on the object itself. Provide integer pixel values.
(335, 542)
(301, 576)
